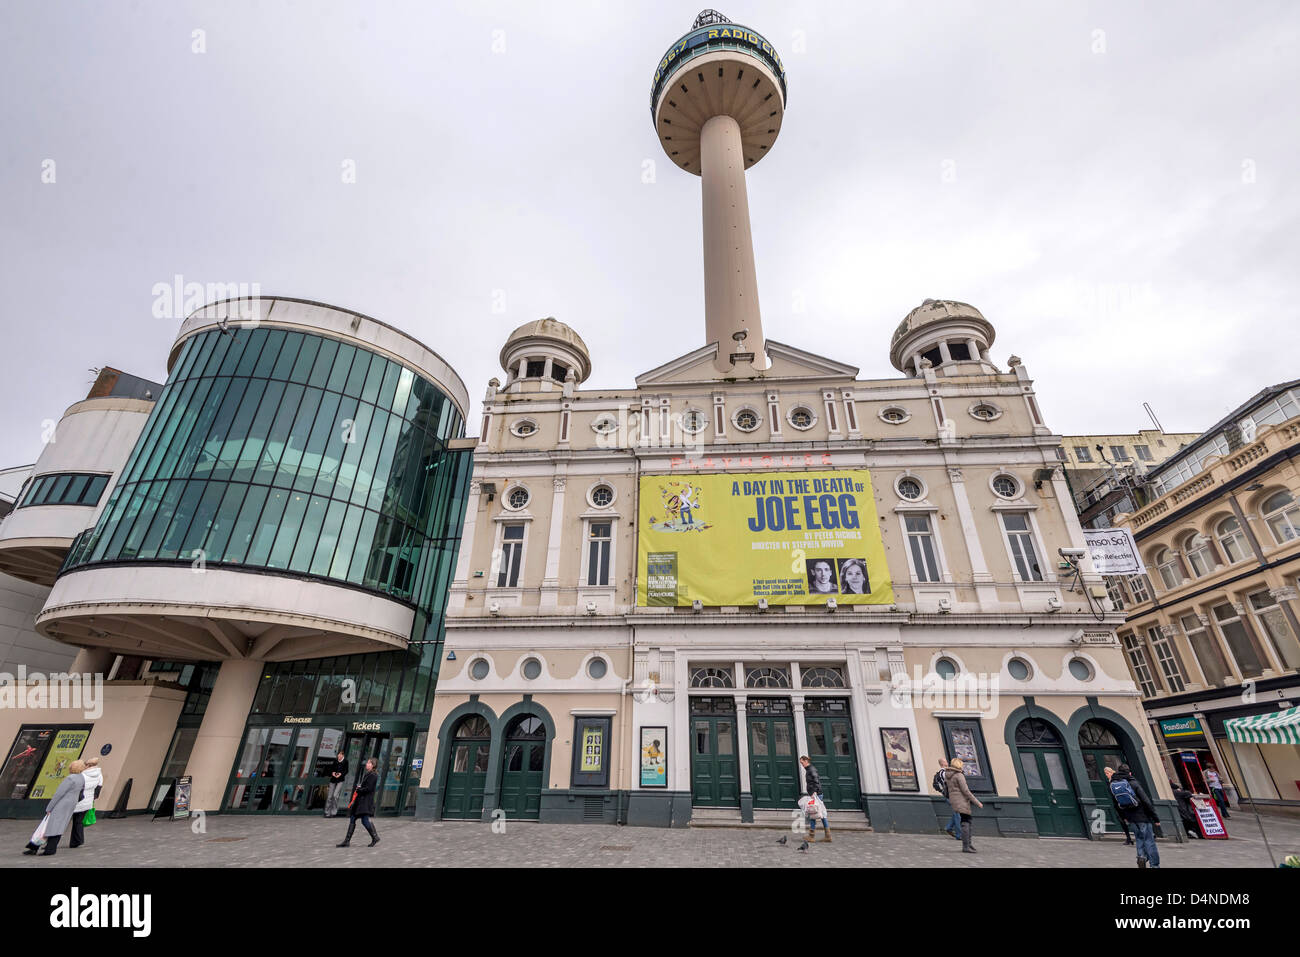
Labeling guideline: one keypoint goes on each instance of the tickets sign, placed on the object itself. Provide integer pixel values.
(793, 538)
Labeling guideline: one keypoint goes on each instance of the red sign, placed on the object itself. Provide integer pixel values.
(1208, 820)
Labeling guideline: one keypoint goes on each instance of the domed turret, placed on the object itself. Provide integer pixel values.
(948, 334)
(545, 349)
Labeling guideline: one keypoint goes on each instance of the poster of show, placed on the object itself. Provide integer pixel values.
(794, 538)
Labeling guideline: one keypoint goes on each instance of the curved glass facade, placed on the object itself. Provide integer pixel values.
(281, 450)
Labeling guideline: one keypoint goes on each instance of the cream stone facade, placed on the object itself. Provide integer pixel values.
(1213, 628)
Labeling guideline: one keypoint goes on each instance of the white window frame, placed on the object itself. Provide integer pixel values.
(801, 407)
(1137, 669)
(584, 573)
(1115, 591)
(880, 414)
(524, 420)
(1237, 539)
(505, 498)
(735, 419)
(1170, 566)
(1202, 551)
(931, 514)
(1167, 658)
(1035, 539)
(1289, 514)
(499, 551)
(1141, 591)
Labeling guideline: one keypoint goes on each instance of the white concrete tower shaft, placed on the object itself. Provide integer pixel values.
(730, 278)
(717, 101)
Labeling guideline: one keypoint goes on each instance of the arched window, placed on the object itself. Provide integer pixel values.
(1035, 731)
(1094, 734)
(1197, 549)
(473, 726)
(526, 727)
(712, 678)
(822, 677)
(1170, 574)
(1282, 515)
(1231, 540)
(767, 678)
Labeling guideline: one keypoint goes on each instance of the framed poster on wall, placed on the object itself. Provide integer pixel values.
(963, 738)
(654, 757)
(900, 764)
(591, 752)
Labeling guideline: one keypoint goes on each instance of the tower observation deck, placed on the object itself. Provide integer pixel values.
(717, 102)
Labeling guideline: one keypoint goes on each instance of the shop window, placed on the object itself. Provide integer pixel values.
(591, 752)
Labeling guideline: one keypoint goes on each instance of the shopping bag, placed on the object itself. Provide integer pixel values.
(38, 835)
(821, 808)
(90, 818)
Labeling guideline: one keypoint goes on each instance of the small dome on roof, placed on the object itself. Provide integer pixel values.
(547, 338)
(957, 324)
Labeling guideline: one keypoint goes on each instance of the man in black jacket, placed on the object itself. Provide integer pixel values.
(1136, 808)
(813, 788)
(338, 773)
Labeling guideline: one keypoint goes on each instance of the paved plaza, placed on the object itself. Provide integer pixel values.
(239, 841)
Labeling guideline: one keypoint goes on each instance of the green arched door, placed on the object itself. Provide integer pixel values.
(1046, 769)
(522, 760)
(471, 743)
(1102, 749)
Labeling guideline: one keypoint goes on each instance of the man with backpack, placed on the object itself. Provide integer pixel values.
(940, 784)
(1128, 838)
(1136, 808)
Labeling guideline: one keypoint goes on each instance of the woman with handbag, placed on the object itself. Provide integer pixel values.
(60, 810)
(363, 804)
(85, 810)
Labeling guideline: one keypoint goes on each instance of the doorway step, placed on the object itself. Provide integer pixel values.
(773, 820)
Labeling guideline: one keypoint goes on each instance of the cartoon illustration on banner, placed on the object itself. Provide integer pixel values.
(792, 538)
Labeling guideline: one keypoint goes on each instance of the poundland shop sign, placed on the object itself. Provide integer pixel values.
(1180, 727)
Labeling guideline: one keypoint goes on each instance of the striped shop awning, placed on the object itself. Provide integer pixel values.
(1279, 727)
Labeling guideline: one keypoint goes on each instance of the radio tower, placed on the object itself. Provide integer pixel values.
(717, 103)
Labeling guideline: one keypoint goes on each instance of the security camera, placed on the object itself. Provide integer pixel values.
(762, 604)
(1072, 554)
(698, 606)
(830, 604)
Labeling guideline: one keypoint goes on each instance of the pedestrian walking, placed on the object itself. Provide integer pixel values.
(60, 810)
(94, 778)
(338, 781)
(961, 799)
(1137, 809)
(1185, 811)
(813, 788)
(1216, 790)
(1128, 838)
(363, 804)
(940, 784)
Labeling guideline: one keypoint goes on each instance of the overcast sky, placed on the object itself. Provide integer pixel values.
(1112, 184)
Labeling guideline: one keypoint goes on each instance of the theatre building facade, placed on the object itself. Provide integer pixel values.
(666, 594)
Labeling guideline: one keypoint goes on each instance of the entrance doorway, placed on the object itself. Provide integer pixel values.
(832, 753)
(284, 770)
(1043, 760)
(773, 771)
(1102, 749)
(471, 745)
(521, 768)
(715, 772)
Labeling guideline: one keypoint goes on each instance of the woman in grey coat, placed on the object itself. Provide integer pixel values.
(61, 807)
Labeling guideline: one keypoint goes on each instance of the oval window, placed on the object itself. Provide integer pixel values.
(597, 668)
(1018, 669)
(518, 497)
(946, 668)
(532, 668)
(909, 488)
(1080, 669)
(601, 496)
(479, 669)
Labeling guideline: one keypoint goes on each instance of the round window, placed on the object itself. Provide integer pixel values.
(532, 668)
(747, 420)
(605, 424)
(479, 669)
(945, 668)
(894, 414)
(1006, 486)
(985, 412)
(524, 427)
(596, 668)
(1080, 669)
(694, 421)
(518, 497)
(801, 419)
(601, 496)
(909, 488)
(1018, 669)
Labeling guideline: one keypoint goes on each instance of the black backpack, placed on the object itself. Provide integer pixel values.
(940, 783)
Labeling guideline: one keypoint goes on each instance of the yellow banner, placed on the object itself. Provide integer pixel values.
(66, 749)
(794, 538)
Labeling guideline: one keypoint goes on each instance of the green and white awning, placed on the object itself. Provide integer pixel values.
(1279, 727)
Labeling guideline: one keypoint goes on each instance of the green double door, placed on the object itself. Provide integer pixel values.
(831, 751)
(1055, 807)
(715, 770)
(471, 749)
(521, 769)
(773, 764)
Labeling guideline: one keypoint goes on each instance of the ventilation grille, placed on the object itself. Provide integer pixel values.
(593, 809)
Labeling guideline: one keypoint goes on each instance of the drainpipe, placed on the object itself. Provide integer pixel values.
(627, 720)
